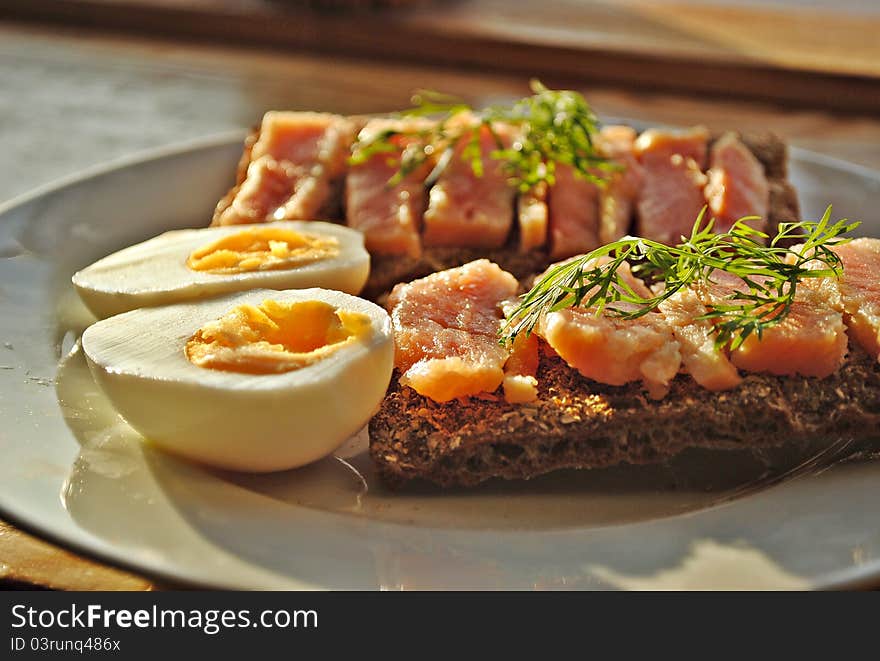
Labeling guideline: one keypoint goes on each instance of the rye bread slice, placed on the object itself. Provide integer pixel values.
(578, 423)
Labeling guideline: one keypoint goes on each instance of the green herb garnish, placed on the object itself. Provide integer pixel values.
(771, 273)
(556, 127)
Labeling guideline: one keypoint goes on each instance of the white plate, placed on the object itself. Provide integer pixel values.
(73, 471)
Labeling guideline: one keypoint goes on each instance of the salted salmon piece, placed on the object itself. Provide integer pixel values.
(737, 186)
(389, 216)
(446, 330)
(582, 215)
(671, 195)
(466, 210)
(574, 214)
(617, 198)
(294, 166)
(709, 365)
(860, 290)
(658, 145)
(520, 370)
(613, 350)
(810, 341)
(533, 216)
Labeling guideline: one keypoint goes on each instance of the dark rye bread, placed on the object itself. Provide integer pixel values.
(386, 270)
(578, 423)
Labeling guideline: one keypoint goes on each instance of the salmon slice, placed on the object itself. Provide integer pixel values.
(860, 290)
(294, 166)
(574, 214)
(617, 198)
(446, 330)
(389, 216)
(520, 384)
(709, 365)
(737, 186)
(810, 341)
(466, 210)
(584, 215)
(671, 196)
(614, 350)
(533, 217)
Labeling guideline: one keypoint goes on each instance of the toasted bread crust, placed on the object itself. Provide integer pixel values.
(578, 423)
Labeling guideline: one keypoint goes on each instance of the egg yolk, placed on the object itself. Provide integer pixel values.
(262, 249)
(275, 336)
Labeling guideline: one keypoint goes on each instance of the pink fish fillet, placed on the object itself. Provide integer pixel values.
(860, 289)
(467, 210)
(613, 350)
(445, 330)
(737, 186)
(389, 216)
(533, 217)
(671, 196)
(520, 382)
(709, 365)
(809, 341)
(574, 214)
(295, 162)
(617, 198)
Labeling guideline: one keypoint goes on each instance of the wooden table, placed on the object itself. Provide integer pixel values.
(772, 51)
(72, 97)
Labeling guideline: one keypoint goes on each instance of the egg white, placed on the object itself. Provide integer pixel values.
(231, 420)
(154, 272)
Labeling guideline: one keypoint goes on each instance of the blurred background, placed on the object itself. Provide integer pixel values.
(84, 82)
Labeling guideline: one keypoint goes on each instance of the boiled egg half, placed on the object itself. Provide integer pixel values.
(188, 264)
(256, 381)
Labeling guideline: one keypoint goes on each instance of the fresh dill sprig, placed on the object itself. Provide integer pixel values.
(554, 127)
(770, 273)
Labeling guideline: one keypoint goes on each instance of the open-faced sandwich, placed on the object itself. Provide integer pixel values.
(740, 346)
